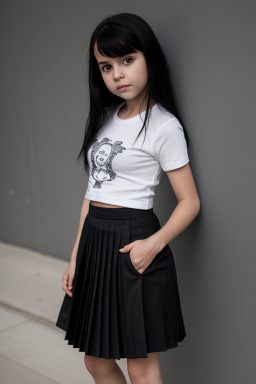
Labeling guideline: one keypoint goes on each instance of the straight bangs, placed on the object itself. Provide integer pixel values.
(117, 40)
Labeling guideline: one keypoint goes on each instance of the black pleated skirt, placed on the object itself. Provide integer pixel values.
(115, 311)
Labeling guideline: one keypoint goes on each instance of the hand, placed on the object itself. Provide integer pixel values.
(141, 252)
(68, 277)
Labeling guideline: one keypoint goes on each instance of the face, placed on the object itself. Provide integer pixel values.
(130, 70)
(102, 154)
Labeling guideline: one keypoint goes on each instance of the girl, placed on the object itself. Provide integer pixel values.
(122, 298)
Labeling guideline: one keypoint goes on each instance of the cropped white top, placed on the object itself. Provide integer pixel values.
(125, 173)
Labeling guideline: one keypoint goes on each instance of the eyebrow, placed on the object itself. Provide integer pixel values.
(102, 62)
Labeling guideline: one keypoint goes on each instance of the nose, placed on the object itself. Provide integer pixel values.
(117, 72)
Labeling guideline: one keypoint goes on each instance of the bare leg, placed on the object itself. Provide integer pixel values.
(104, 371)
(145, 370)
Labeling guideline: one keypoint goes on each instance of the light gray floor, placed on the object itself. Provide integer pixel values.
(32, 348)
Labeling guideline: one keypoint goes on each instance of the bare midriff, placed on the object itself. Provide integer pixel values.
(100, 204)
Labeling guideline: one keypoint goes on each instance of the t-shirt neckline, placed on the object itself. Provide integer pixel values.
(131, 119)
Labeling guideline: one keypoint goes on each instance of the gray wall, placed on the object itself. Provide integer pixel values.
(44, 104)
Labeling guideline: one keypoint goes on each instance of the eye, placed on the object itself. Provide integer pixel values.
(107, 65)
(129, 58)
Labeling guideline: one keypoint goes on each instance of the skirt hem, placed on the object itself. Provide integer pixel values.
(136, 355)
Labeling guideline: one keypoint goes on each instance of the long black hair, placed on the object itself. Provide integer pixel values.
(116, 36)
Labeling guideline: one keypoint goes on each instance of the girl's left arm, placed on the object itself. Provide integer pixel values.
(187, 209)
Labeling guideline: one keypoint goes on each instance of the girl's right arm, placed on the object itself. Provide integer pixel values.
(83, 214)
(68, 277)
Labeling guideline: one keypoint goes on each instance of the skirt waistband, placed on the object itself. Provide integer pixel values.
(118, 213)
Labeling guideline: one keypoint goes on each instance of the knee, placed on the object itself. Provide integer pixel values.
(137, 374)
(145, 371)
(99, 366)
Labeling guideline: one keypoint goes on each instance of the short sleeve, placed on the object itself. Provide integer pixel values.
(170, 145)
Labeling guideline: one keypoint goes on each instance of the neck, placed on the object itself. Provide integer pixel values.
(134, 107)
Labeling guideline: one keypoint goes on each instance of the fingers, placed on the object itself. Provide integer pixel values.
(67, 284)
(127, 247)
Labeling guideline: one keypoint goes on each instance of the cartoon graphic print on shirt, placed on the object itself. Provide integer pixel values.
(102, 156)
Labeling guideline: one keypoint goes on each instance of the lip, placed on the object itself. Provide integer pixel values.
(122, 87)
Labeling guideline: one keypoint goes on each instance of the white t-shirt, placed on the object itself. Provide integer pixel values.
(125, 173)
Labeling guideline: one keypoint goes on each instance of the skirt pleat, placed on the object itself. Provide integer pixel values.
(116, 311)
